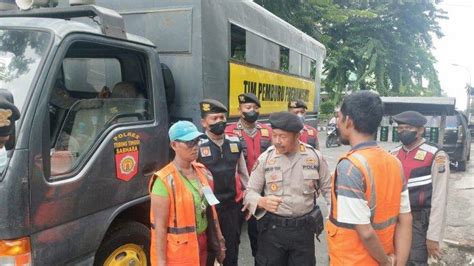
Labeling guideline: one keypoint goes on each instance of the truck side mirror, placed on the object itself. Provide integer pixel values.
(10, 144)
(168, 80)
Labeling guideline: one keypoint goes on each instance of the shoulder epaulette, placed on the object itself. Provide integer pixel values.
(429, 148)
(396, 149)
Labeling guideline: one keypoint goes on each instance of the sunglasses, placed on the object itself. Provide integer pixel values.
(190, 143)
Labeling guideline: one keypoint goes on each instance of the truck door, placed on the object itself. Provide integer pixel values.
(98, 137)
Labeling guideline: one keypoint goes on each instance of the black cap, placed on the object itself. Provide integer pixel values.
(411, 118)
(249, 98)
(286, 121)
(8, 115)
(210, 106)
(297, 104)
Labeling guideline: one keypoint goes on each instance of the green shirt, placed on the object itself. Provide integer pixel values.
(193, 185)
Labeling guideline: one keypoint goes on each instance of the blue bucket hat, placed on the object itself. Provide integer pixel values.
(184, 131)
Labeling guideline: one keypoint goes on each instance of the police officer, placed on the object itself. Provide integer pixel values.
(224, 158)
(8, 115)
(308, 134)
(426, 169)
(255, 138)
(283, 186)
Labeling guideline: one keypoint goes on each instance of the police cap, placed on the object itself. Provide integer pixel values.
(411, 118)
(249, 98)
(297, 104)
(210, 106)
(286, 121)
(8, 115)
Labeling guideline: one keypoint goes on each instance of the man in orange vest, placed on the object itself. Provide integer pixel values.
(183, 218)
(308, 134)
(426, 169)
(370, 219)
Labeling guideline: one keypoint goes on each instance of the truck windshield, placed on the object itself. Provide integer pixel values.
(21, 52)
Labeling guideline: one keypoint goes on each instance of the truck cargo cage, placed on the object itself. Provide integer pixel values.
(111, 23)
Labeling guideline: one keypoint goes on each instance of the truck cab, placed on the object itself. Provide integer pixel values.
(93, 129)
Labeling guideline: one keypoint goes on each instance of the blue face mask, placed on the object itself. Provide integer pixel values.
(3, 159)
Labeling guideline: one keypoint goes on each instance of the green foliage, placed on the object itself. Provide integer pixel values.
(326, 107)
(385, 44)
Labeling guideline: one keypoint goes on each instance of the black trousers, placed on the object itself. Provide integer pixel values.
(230, 220)
(284, 245)
(253, 234)
(419, 252)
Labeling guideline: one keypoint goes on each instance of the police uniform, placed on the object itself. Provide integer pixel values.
(284, 238)
(309, 134)
(426, 169)
(226, 163)
(253, 144)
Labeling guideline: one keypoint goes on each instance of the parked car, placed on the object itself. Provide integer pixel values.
(457, 138)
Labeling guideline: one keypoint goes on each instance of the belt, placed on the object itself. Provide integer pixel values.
(286, 221)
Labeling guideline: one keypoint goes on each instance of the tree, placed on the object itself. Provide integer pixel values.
(384, 45)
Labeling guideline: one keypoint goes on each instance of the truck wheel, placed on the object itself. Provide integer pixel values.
(461, 166)
(126, 244)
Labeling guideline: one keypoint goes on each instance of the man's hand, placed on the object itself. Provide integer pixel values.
(270, 203)
(247, 214)
(220, 256)
(391, 260)
(433, 249)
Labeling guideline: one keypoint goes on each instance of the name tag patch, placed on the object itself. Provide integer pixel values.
(234, 148)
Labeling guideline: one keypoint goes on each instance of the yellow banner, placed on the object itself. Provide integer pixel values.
(274, 90)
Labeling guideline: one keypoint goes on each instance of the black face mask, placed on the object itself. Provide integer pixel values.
(251, 116)
(407, 137)
(218, 128)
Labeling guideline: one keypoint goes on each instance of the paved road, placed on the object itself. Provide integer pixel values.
(460, 225)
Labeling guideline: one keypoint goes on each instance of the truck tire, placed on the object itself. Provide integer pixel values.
(461, 166)
(126, 244)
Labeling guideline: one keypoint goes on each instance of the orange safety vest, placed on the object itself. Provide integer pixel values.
(383, 177)
(182, 243)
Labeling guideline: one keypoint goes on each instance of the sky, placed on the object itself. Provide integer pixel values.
(456, 47)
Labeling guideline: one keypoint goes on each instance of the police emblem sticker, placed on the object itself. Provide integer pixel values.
(310, 132)
(420, 155)
(264, 132)
(234, 148)
(127, 164)
(274, 187)
(205, 151)
(126, 150)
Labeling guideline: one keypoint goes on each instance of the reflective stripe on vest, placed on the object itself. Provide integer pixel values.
(372, 202)
(181, 230)
(419, 181)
